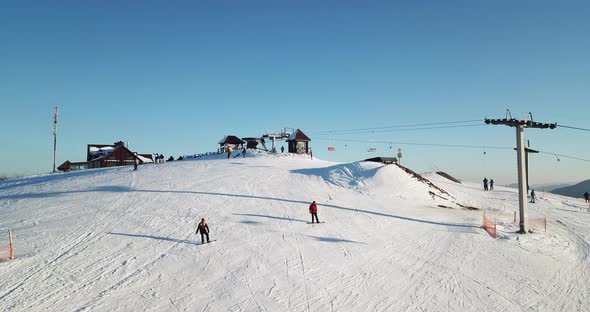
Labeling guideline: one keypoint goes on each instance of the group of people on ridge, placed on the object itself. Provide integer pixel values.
(485, 184)
(159, 159)
(203, 228)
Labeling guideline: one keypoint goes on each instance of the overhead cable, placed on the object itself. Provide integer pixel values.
(419, 144)
(569, 127)
(396, 130)
(396, 126)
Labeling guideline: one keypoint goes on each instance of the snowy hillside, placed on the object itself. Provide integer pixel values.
(118, 240)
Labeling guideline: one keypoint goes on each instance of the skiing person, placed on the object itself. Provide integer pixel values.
(491, 184)
(532, 196)
(204, 229)
(228, 153)
(244, 153)
(313, 210)
(282, 149)
(587, 197)
(135, 163)
(485, 184)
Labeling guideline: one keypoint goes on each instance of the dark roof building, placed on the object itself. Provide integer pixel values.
(229, 142)
(252, 142)
(298, 142)
(101, 156)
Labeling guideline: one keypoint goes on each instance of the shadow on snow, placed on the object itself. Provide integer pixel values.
(266, 216)
(334, 240)
(175, 240)
(121, 189)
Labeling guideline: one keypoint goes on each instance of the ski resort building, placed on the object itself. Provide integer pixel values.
(102, 156)
(252, 143)
(230, 142)
(298, 142)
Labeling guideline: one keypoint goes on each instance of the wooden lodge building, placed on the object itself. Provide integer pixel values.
(103, 156)
(299, 143)
(231, 142)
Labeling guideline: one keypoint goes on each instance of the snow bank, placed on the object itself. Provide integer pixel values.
(115, 239)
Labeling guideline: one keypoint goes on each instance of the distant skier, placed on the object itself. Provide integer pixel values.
(282, 149)
(532, 196)
(244, 153)
(135, 163)
(485, 184)
(228, 153)
(310, 153)
(313, 210)
(587, 197)
(491, 184)
(204, 229)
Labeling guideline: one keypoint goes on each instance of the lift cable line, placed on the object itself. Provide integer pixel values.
(519, 125)
(575, 128)
(396, 130)
(446, 145)
(417, 144)
(565, 156)
(395, 126)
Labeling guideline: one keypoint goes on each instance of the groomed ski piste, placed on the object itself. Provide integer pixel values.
(117, 240)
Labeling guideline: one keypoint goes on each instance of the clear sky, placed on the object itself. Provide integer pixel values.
(174, 77)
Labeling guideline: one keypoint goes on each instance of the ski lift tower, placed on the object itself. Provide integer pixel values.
(522, 177)
(283, 134)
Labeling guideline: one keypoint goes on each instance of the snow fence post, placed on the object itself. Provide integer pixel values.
(545, 221)
(514, 217)
(10, 242)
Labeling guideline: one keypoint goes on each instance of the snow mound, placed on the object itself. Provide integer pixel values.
(375, 179)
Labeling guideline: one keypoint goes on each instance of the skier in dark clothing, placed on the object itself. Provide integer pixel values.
(485, 184)
(491, 184)
(244, 153)
(135, 163)
(587, 197)
(532, 196)
(282, 149)
(313, 210)
(204, 229)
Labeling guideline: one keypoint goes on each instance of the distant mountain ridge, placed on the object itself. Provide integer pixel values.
(576, 190)
(544, 187)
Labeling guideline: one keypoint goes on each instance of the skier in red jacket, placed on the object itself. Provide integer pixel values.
(313, 209)
(204, 229)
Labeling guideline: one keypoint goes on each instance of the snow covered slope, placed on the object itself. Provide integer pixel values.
(118, 240)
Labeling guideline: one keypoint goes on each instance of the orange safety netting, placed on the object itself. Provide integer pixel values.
(538, 224)
(489, 226)
(4, 252)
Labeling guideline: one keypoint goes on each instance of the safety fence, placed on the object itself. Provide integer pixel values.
(538, 224)
(535, 223)
(7, 250)
(489, 226)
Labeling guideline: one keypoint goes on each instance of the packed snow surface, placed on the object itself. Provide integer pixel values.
(118, 240)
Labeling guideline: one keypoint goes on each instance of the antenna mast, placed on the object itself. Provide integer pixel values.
(54, 135)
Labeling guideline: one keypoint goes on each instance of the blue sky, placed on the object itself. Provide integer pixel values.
(174, 77)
